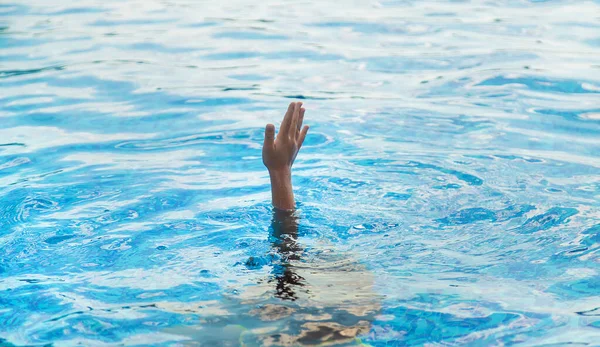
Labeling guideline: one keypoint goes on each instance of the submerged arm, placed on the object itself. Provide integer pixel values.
(284, 239)
(279, 154)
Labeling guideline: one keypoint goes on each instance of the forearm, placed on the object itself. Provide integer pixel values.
(282, 194)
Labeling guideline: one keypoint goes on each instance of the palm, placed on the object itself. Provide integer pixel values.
(280, 153)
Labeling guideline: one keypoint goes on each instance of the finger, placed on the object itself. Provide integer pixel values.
(300, 120)
(269, 135)
(294, 126)
(302, 136)
(287, 119)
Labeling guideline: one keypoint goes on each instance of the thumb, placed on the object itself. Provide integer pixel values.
(269, 135)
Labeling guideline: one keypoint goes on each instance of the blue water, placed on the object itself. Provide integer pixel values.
(448, 190)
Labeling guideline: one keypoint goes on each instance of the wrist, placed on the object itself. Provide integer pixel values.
(281, 174)
(281, 189)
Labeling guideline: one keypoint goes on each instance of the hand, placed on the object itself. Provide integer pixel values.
(279, 154)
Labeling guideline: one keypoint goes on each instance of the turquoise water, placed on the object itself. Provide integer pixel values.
(448, 191)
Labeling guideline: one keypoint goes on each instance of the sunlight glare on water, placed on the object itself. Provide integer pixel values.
(448, 190)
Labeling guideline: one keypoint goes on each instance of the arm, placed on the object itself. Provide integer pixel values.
(279, 154)
(284, 239)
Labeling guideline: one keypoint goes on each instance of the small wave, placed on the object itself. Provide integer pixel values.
(553, 217)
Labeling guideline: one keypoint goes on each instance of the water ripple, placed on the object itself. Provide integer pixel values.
(448, 190)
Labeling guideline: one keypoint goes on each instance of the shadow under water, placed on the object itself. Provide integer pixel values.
(307, 299)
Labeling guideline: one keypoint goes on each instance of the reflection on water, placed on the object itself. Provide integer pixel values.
(307, 299)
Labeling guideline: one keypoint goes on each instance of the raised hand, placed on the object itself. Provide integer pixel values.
(279, 154)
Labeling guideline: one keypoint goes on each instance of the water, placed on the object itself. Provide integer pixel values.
(448, 189)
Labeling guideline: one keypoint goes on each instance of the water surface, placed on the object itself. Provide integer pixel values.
(449, 188)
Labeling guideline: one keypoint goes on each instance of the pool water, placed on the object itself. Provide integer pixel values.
(448, 190)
